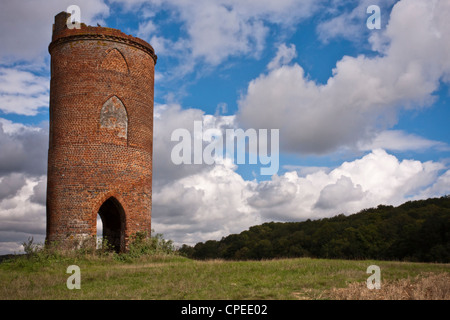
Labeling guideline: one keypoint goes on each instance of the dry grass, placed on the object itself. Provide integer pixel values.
(170, 277)
(426, 286)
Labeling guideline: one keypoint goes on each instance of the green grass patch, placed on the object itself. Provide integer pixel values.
(169, 276)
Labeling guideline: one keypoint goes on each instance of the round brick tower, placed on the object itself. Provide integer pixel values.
(101, 135)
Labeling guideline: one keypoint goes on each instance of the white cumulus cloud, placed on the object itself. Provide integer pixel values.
(27, 26)
(365, 94)
(202, 202)
(22, 92)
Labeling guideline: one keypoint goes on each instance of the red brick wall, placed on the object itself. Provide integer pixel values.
(90, 161)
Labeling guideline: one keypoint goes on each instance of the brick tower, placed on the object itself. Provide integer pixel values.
(101, 135)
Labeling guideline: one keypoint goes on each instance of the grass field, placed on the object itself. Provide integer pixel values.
(174, 277)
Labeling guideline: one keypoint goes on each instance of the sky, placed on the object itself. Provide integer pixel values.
(362, 113)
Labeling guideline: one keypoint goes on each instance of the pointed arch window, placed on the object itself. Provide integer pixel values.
(115, 61)
(113, 116)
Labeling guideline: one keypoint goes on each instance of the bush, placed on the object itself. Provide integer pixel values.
(30, 247)
(143, 245)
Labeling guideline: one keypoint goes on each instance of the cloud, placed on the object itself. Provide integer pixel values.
(217, 32)
(206, 205)
(39, 195)
(194, 203)
(398, 140)
(213, 31)
(20, 218)
(305, 170)
(22, 92)
(10, 185)
(23, 167)
(27, 26)
(341, 192)
(167, 119)
(146, 29)
(170, 117)
(349, 24)
(440, 187)
(216, 201)
(364, 95)
(284, 56)
(377, 178)
(23, 149)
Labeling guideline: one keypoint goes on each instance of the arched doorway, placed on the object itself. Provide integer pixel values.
(113, 220)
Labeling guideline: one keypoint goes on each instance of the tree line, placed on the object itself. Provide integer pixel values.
(414, 231)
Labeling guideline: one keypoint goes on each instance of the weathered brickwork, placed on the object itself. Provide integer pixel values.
(101, 134)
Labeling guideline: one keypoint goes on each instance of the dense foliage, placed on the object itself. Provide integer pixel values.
(414, 231)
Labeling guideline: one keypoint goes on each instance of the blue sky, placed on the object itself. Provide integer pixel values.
(363, 114)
